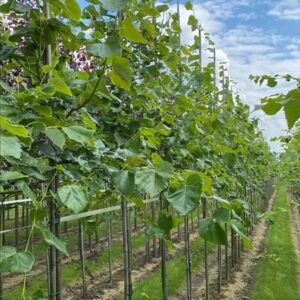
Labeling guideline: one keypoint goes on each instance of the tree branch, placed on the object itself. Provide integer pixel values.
(85, 102)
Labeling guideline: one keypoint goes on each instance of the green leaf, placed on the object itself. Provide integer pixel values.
(154, 231)
(124, 182)
(10, 146)
(14, 129)
(223, 202)
(73, 197)
(11, 175)
(238, 228)
(165, 222)
(186, 198)
(130, 33)
(169, 244)
(188, 5)
(43, 110)
(121, 73)
(115, 5)
(79, 134)
(292, 111)
(73, 10)
(153, 181)
(88, 121)
(212, 231)
(56, 136)
(271, 108)
(26, 190)
(137, 201)
(149, 137)
(193, 22)
(6, 252)
(52, 240)
(19, 262)
(184, 104)
(221, 215)
(60, 86)
(14, 5)
(6, 52)
(207, 183)
(271, 82)
(109, 48)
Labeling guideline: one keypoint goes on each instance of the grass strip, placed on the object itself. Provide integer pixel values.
(276, 276)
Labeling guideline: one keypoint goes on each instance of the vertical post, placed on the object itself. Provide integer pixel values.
(1, 241)
(200, 48)
(90, 241)
(147, 241)
(192, 222)
(52, 265)
(226, 256)
(82, 260)
(153, 213)
(204, 214)
(219, 258)
(97, 230)
(65, 227)
(187, 258)
(54, 214)
(163, 257)
(135, 218)
(126, 251)
(57, 253)
(27, 229)
(17, 224)
(214, 74)
(109, 247)
(23, 215)
(178, 231)
(232, 248)
(179, 45)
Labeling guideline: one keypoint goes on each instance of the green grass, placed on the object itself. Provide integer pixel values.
(150, 288)
(276, 277)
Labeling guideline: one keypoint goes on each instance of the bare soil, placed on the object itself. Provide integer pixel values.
(295, 228)
(239, 285)
(100, 288)
(12, 280)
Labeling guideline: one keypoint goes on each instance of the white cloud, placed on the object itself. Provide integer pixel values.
(247, 16)
(286, 9)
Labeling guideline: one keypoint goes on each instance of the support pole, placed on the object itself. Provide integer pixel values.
(187, 259)
(204, 214)
(82, 260)
(163, 257)
(126, 251)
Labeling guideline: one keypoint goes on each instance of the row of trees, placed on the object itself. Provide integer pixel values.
(106, 103)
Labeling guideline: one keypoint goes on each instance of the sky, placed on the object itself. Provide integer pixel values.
(254, 37)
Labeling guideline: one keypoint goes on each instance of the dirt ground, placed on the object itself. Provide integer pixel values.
(295, 222)
(98, 286)
(239, 286)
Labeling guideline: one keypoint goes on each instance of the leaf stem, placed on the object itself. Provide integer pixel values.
(85, 102)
